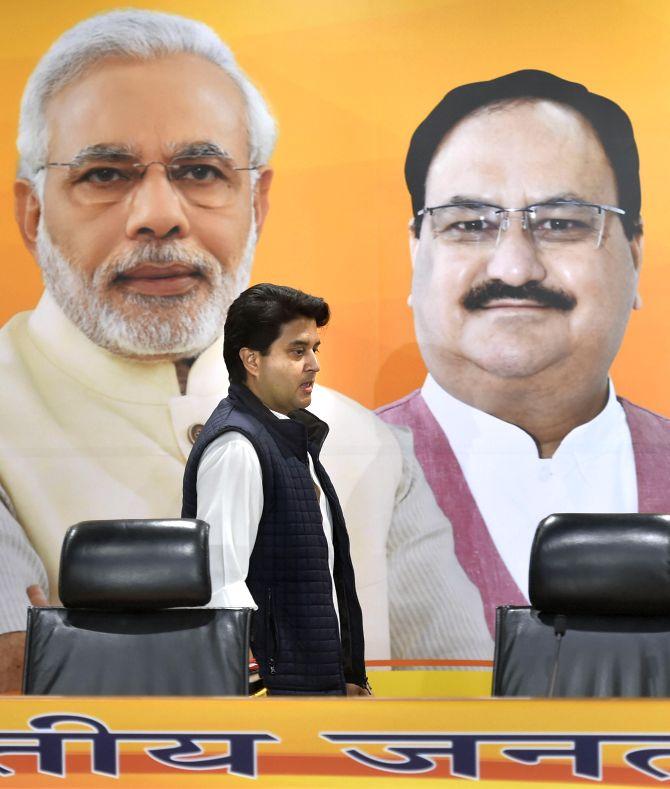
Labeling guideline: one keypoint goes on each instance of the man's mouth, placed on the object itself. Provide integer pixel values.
(307, 387)
(151, 279)
(495, 304)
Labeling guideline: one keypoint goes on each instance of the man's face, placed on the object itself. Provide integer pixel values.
(150, 274)
(514, 156)
(284, 377)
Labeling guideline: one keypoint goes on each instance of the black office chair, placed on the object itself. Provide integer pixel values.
(124, 629)
(599, 621)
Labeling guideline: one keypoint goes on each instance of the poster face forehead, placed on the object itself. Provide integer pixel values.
(521, 154)
(150, 106)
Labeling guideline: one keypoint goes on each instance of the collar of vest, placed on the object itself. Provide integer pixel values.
(300, 432)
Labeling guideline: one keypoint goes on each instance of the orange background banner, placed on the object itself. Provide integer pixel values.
(349, 82)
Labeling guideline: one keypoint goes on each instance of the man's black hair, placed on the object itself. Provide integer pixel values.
(256, 317)
(609, 121)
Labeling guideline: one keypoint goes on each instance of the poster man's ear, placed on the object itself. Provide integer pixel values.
(413, 240)
(27, 211)
(636, 248)
(261, 196)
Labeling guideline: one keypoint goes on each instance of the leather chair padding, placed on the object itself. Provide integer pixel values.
(177, 652)
(125, 632)
(601, 564)
(600, 618)
(135, 564)
(599, 656)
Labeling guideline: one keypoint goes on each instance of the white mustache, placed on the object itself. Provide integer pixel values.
(165, 253)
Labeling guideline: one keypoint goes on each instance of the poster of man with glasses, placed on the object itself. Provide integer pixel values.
(347, 83)
(526, 248)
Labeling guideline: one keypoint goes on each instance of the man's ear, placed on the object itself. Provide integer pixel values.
(636, 247)
(249, 359)
(261, 196)
(413, 250)
(413, 240)
(27, 211)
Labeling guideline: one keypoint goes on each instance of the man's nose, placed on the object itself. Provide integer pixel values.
(515, 260)
(312, 362)
(156, 209)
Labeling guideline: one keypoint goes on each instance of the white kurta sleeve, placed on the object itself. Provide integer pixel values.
(230, 499)
(20, 567)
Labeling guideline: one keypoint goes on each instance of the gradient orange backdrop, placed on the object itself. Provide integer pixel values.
(349, 80)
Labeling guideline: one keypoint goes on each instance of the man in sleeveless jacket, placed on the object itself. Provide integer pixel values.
(278, 540)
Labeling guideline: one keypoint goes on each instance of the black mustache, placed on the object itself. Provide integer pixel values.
(495, 289)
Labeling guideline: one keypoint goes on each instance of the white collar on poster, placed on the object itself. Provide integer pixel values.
(593, 470)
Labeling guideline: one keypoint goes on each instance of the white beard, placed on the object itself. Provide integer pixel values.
(179, 326)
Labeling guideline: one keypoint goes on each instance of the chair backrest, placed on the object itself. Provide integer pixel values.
(122, 631)
(599, 620)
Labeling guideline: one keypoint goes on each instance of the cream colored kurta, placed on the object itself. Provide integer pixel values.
(86, 434)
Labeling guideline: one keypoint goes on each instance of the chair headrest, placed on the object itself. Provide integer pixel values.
(601, 564)
(135, 564)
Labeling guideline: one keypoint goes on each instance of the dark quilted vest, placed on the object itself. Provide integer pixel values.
(294, 632)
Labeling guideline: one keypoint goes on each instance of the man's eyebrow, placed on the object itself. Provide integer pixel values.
(562, 197)
(122, 152)
(303, 344)
(103, 151)
(468, 200)
(197, 149)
